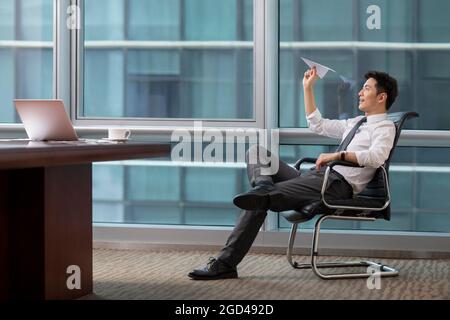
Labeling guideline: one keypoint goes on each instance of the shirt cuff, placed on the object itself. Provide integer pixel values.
(314, 116)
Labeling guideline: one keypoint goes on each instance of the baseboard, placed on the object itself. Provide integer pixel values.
(389, 254)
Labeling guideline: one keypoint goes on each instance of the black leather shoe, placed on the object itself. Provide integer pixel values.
(257, 199)
(214, 270)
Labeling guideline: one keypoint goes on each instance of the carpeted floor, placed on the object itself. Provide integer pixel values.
(162, 275)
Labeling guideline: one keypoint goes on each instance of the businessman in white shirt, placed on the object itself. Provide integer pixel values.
(365, 140)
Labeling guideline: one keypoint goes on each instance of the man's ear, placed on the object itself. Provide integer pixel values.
(382, 97)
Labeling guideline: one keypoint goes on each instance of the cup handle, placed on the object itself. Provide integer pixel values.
(127, 134)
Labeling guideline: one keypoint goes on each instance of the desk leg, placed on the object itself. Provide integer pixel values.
(46, 214)
(4, 249)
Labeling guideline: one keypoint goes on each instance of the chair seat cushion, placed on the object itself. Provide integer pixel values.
(310, 210)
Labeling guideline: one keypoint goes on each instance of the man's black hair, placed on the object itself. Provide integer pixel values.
(385, 83)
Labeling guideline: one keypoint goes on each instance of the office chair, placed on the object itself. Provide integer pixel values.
(370, 204)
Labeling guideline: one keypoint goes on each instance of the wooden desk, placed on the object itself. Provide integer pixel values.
(46, 214)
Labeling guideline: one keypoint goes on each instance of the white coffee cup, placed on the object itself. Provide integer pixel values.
(118, 134)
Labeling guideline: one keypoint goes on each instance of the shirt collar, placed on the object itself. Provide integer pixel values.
(376, 118)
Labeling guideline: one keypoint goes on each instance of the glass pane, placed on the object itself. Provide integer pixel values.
(7, 20)
(104, 72)
(159, 192)
(176, 59)
(353, 37)
(397, 21)
(434, 24)
(104, 20)
(36, 20)
(419, 181)
(26, 53)
(154, 20)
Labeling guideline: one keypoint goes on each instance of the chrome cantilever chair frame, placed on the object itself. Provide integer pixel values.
(382, 270)
(361, 213)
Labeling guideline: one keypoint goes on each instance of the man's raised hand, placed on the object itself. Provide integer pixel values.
(309, 78)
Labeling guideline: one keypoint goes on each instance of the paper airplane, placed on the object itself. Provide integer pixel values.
(321, 69)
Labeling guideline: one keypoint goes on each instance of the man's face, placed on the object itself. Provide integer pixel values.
(368, 98)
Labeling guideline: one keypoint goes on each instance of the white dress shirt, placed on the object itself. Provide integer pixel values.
(371, 144)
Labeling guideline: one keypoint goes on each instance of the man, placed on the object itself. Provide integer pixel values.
(366, 140)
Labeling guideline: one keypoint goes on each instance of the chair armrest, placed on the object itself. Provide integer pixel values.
(303, 160)
(350, 164)
(331, 164)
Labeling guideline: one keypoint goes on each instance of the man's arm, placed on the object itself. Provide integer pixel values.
(317, 124)
(324, 158)
(309, 79)
(382, 142)
(332, 128)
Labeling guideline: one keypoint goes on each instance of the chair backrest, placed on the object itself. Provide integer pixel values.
(399, 119)
(375, 188)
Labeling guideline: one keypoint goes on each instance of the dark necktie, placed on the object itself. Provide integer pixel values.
(344, 144)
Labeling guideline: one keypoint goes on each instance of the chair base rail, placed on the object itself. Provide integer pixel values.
(373, 269)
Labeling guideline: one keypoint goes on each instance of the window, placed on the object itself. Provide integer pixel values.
(167, 60)
(26, 53)
(173, 59)
(412, 44)
(157, 191)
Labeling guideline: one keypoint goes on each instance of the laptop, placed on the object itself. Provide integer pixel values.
(45, 120)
